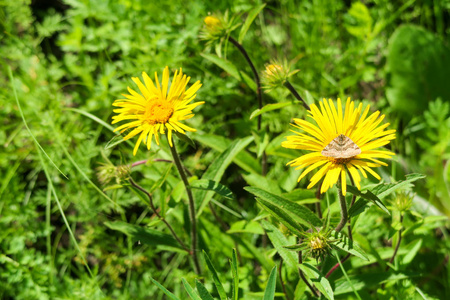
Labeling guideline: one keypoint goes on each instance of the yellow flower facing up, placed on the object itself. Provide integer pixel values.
(157, 108)
(340, 141)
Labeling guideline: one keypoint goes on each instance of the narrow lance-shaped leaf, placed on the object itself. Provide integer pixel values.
(366, 195)
(217, 169)
(349, 246)
(269, 107)
(269, 293)
(250, 18)
(210, 185)
(202, 291)
(145, 235)
(299, 212)
(318, 279)
(165, 291)
(192, 294)
(279, 241)
(218, 284)
(282, 216)
(231, 69)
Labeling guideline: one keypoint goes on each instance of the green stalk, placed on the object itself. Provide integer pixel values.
(192, 219)
(344, 214)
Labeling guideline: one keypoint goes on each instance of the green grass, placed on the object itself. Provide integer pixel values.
(64, 235)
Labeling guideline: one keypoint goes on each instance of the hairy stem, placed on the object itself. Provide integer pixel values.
(318, 197)
(258, 93)
(155, 211)
(281, 280)
(296, 94)
(343, 204)
(302, 276)
(192, 218)
(398, 242)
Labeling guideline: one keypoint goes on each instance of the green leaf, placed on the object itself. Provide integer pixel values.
(244, 226)
(348, 245)
(145, 235)
(235, 274)
(279, 241)
(185, 139)
(243, 159)
(318, 279)
(269, 107)
(190, 290)
(231, 69)
(165, 291)
(218, 284)
(281, 215)
(299, 212)
(367, 281)
(161, 180)
(209, 185)
(359, 22)
(383, 190)
(216, 170)
(261, 140)
(269, 293)
(202, 291)
(367, 195)
(250, 18)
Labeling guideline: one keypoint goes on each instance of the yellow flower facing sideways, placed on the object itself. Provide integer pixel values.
(157, 108)
(340, 141)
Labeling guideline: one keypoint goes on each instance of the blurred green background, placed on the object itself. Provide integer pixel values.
(72, 57)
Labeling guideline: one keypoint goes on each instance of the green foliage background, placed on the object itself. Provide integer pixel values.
(73, 58)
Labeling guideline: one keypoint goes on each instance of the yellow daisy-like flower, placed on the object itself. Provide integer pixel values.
(340, 141)
(157, 109)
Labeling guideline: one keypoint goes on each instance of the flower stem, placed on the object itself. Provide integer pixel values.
(398, 242)
(258, 93)
(281, 280)
(192, 218)
(302, 276)
(296, 94)
(255, 73)
(155, 211)
(344, 215)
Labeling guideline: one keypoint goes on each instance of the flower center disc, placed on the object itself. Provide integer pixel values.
(158, 111)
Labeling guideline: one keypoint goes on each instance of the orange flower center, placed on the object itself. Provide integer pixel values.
(340, 161)
(158, 111)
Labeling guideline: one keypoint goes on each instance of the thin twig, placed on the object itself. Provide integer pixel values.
(155, 211)
(281, 280)
(296, 94)
(192, 217)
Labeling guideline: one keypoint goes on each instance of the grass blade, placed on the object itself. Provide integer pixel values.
(11, 78)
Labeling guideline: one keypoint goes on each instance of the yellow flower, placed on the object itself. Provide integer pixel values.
(213, 23)
(157, 108)
(340, 141)
(276, 74)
